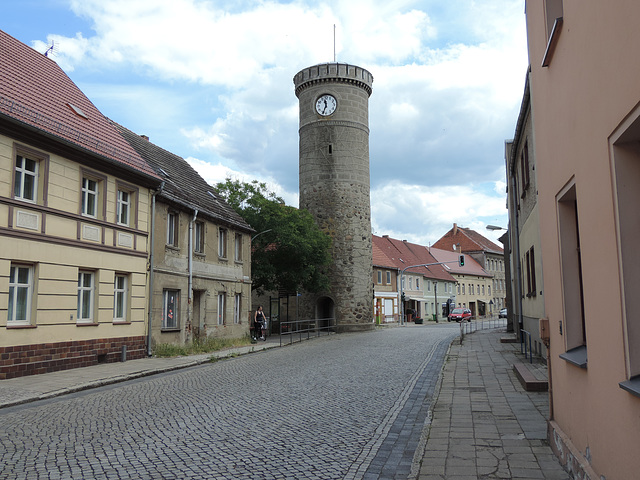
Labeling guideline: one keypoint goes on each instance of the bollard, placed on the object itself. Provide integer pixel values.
(123, 354)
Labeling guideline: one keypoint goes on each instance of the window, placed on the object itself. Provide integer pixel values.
(238, 247)
(625, 163)
(85, 296)
(471, 289)
(198, 237)
(237, 304)
(463, 289)
(524, 167)
(222, 242)
(20, 294)
(410, 283)
(172, 229)
(379, 277)
(403, 283)
(89, 197)
(388, 278)
(25, 185)
(417, 284)
(482, 289)
(221, 306)
(458, 289)
(120, 290)
(170, 309)
(124, 207)
(489, 290)
(428, 286)
(553, 10)
(571, 267)
(530, 272)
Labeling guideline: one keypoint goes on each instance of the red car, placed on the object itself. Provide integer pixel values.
(460, 314)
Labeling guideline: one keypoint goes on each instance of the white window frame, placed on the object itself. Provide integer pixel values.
(237, 305)
(16, 287)
(21, 176)
(388, 278)
(198, 237)
(222, 242)
(167, 314)
(221, 307)
(120, 294)
(379, 277)
(86, 295)
(124, 207)
(89, 193)
(172, 229)
(238, 247)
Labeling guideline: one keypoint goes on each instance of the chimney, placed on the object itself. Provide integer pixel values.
(455, 228)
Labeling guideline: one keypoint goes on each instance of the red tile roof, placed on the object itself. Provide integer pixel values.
(471, 267)
(36, 92)
(400, 254)
(469, 240)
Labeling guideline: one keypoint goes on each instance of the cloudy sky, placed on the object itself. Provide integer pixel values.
(211, 81)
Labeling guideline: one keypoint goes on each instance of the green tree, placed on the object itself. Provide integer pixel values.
(289, 251)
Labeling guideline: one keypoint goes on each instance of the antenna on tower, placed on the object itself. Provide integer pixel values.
(334, 43)
(53, 49)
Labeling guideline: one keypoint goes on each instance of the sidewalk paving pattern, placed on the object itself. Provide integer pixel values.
(481, 425)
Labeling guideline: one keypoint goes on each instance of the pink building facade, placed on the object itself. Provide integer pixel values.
(585, 103)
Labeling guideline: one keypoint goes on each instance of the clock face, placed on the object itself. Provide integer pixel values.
(326, 105)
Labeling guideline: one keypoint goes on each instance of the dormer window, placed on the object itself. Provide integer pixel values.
(77, 111)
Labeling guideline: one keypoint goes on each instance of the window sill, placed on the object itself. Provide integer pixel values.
(121, 322)
(576, 356)
(18, 327)
(169, 330)
(86, 324)
(632, 386)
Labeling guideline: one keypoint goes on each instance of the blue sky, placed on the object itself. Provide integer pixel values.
(211, 81)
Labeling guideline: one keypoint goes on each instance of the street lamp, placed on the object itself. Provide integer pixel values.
(494, 227)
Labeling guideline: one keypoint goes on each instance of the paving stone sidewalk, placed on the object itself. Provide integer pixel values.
(484, 424)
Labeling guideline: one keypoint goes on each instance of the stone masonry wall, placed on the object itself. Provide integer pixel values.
(335, 184)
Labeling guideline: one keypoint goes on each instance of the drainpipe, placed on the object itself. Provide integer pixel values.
(516, 243)
(151, 242)
(190, 287)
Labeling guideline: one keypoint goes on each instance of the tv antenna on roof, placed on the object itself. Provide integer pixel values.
(53, 49)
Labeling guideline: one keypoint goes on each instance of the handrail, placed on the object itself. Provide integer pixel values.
(298, 327)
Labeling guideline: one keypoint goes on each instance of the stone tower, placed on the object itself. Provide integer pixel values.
(334, 186)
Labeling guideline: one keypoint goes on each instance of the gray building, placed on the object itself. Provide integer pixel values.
(334, 186)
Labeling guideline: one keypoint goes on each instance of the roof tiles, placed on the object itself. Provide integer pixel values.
(35, 91)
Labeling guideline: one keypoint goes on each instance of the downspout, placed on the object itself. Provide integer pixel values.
(151, 243)
(190, 287)
(516, 244)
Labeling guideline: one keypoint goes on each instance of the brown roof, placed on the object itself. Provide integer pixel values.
(471, 267)
(469, 240)
(36, 94)
(401, 254)
(183, 185)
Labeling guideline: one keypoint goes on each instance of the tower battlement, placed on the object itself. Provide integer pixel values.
(334, 73)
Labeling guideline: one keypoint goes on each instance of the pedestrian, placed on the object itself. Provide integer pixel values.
(259, 324)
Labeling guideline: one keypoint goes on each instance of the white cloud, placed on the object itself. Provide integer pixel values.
(213, 81)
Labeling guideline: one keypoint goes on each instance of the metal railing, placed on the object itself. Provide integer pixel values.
(525, 340)
(480, 323)
(297, 330)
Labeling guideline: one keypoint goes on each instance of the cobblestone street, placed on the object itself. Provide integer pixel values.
(345, 406)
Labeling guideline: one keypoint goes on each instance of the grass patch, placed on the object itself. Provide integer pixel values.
(207, 345)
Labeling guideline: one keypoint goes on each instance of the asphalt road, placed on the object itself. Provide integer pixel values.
(349, 406)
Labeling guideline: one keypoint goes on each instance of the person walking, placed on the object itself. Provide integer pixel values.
(259, 324)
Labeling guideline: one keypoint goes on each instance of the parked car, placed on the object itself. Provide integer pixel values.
(503, 313)
(460, 314)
